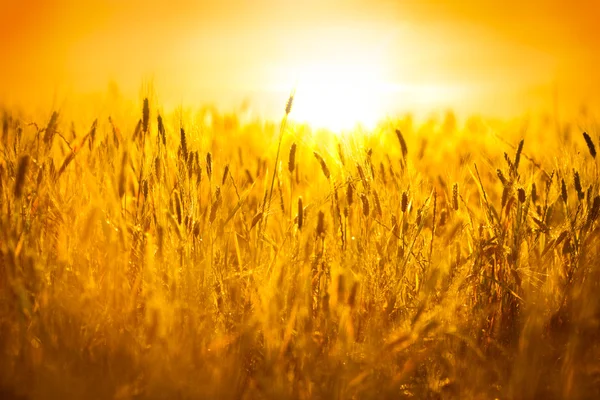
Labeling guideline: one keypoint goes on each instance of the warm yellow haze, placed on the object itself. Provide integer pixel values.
(156, 246)
(350, 60)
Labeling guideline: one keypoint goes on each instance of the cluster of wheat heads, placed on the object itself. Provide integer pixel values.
(163, 261)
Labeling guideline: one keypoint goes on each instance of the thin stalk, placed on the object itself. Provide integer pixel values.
(267, 205)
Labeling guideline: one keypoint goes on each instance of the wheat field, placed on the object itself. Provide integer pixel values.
(174, 256)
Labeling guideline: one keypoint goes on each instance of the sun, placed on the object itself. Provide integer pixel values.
(339, 95)
(340, 87)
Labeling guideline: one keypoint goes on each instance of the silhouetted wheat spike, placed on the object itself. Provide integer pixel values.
(365, 204)
(590, 144)
(145, 187)
(225, 173)
(255, 220)
(137, 131)
(145, 116)
(521, 195)
(214, 208)
(404, 202)
(300, 220)
(321, 224)
(563, 190)
(122, 176)
(402, 144)
(363, 178)
(455, 197)
(505, 194)
(161, 131)
(349, 193)
(184, 147)
(92, 134)
(352, 296)
(288, 106)
(178, 207)
(378, 209)
(292, 158)
(66, 163)
(249, 177)
(280, 189)
(209, 166)
(190, 164)
(73, 131)
(51, 130)
(511, 166)
(518, 154)
(17, 142)
(382, 173)
(533, 193)
(21, 174)
(577, 185)
(323, 164)
(501, 177)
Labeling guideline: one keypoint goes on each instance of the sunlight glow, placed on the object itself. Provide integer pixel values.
(337, 96)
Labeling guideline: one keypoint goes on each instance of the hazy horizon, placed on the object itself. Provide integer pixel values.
(349, 61)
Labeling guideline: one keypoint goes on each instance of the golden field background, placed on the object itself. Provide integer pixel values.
(195, 255)
(155, 247)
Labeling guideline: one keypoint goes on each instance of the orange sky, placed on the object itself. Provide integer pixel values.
(475, 55)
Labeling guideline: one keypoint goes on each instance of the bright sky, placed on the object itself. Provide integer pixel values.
(350, 60)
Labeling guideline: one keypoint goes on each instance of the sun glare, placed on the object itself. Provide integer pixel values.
(338, 96)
